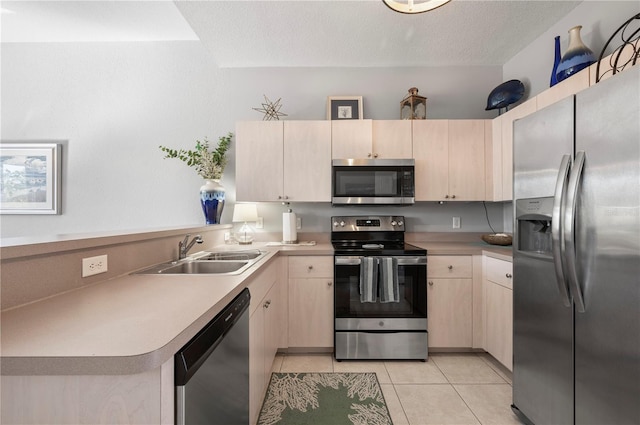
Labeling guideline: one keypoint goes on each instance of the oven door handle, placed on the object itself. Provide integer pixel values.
(402, 260)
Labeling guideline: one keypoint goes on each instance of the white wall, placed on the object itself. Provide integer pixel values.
(114, 103)
(599, 20)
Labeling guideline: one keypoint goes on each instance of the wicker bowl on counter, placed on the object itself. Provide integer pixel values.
(498, 239)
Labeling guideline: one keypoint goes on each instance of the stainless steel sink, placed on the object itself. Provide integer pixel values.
(232, 255)
(226, 262)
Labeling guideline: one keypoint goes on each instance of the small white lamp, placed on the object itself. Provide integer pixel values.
(244, 213)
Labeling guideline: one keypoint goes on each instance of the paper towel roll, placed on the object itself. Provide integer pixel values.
(289, 232)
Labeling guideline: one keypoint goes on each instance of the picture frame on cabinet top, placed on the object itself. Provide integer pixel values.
(344, 108)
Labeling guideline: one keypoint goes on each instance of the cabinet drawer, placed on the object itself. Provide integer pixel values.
(499, 271)
(310, 266)
(454, 266)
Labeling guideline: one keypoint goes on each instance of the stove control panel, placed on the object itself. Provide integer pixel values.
(368, 223)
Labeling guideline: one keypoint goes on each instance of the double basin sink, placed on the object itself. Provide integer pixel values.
(225, 262)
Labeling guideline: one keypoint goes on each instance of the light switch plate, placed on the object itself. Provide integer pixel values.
(260, 223)
(298, 223)
(456, 222)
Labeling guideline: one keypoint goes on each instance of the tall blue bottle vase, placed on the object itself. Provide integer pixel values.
(212, 199)
(556, 62)
(576, 58)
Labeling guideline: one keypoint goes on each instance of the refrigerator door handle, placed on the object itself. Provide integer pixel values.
(569, 231)
(557, 241)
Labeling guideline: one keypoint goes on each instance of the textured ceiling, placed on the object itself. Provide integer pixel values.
(298, 33)
(365, 33)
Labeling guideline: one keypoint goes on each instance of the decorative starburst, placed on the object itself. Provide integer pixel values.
(271, 110)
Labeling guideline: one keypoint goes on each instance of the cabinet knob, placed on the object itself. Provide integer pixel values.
(267, 304)
(286, 197)
(453, 196)
(446, 196)
(279, 197)
(508, 275)
(310, 267)
(369, 155)
(450, 267)
(430, 283)
(329, 283)
(375, 155)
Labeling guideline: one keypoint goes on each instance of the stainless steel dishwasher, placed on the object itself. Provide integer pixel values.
(212, 370)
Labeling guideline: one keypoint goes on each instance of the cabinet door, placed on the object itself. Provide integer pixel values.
(311, 312)
(257, 352)
(392, 139)
(507, 120)
(273, 327)
(494, 192)
(307, 161)
(566, 88)
(259, 161)
(499, 322)
(466, 160)
(449, 309)
(351, 139)
(431, 154)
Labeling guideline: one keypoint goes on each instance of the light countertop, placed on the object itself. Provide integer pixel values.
(134, 323)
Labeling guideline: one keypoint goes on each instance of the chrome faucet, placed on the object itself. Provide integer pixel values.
(184, 246)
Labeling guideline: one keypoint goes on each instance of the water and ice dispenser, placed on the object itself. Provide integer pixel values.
(533, 218)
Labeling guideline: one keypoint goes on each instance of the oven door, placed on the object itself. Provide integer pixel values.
(373, 182)
(410, 312)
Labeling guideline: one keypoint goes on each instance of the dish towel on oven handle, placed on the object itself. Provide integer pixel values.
(389, 288)
(368, 279)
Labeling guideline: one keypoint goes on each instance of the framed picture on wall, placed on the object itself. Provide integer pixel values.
(344, 108)
(30, 178)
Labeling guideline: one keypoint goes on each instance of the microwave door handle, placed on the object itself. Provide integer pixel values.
(569, 231)
(557, 241)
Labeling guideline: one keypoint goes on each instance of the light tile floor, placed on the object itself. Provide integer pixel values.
(456, 388)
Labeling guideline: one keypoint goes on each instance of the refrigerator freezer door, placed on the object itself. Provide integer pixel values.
(607, 334)
(539, 142)
(542, 322)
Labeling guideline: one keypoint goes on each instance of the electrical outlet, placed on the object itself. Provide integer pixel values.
(456, 222)
(94, 265)
(298, 223)
(227, 236)
(260, 223)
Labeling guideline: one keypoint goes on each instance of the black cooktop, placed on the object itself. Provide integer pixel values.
(381, 248)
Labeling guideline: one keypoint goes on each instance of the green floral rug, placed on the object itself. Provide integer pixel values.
(324, 399)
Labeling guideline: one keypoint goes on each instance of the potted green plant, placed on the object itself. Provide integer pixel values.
(209, 164)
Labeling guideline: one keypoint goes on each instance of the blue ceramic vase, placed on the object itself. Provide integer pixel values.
(556, 62)
(576, 58)
(212, 200)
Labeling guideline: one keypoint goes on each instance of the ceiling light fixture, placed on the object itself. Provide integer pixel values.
(414, 6)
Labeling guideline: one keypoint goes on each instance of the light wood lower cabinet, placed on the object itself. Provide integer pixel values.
(143, 398)
(498, 309)
(310, 302)
(266, 325)
(450, 301)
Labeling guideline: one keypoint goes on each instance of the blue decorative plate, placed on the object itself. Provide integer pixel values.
(505, 94)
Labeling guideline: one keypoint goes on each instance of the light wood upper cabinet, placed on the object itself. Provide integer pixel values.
(392, 139)
(449, 157)
(259, 161)
(371, 139)
(351, 139)
(566, 88)
(502, 149)
(283, 160)
(307, 161)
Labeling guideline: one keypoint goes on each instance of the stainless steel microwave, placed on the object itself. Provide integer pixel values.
(373, 181)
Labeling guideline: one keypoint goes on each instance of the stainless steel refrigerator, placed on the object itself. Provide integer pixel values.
(576, 290)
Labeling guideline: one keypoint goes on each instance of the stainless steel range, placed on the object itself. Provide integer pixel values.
(380, 290)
